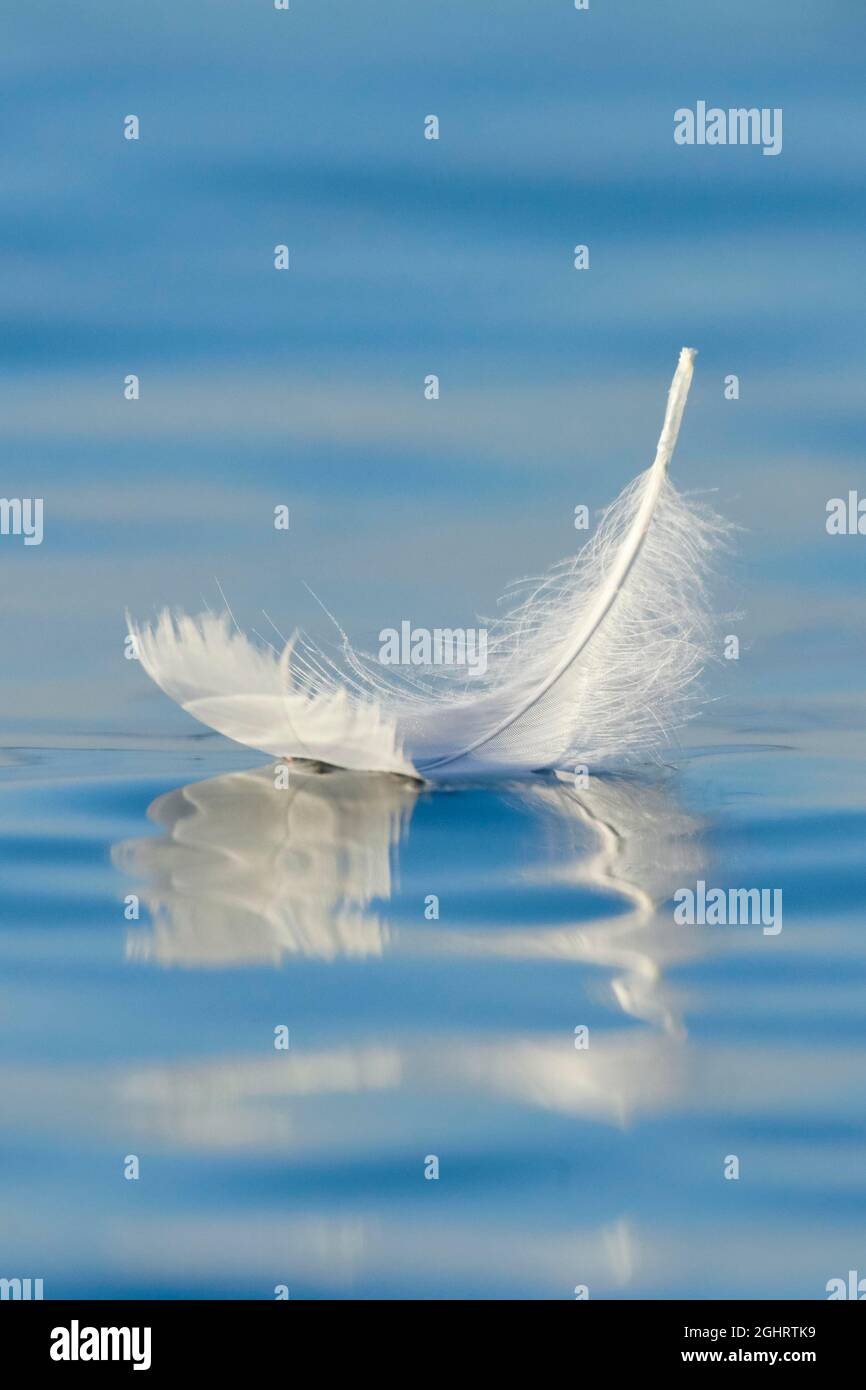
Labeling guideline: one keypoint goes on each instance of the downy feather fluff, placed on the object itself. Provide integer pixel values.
(595, 663)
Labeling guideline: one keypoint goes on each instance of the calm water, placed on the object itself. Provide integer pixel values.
(411, 1036)
(305, 908)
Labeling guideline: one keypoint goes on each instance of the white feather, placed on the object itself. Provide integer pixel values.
(596, 663)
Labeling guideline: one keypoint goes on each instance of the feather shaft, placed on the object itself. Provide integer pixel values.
(629, 552)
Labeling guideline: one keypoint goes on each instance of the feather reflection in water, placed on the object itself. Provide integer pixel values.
(248, 872)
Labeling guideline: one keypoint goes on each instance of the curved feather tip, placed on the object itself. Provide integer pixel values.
(596, 664)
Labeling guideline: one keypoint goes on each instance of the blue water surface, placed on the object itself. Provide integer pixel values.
(413, 1036)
